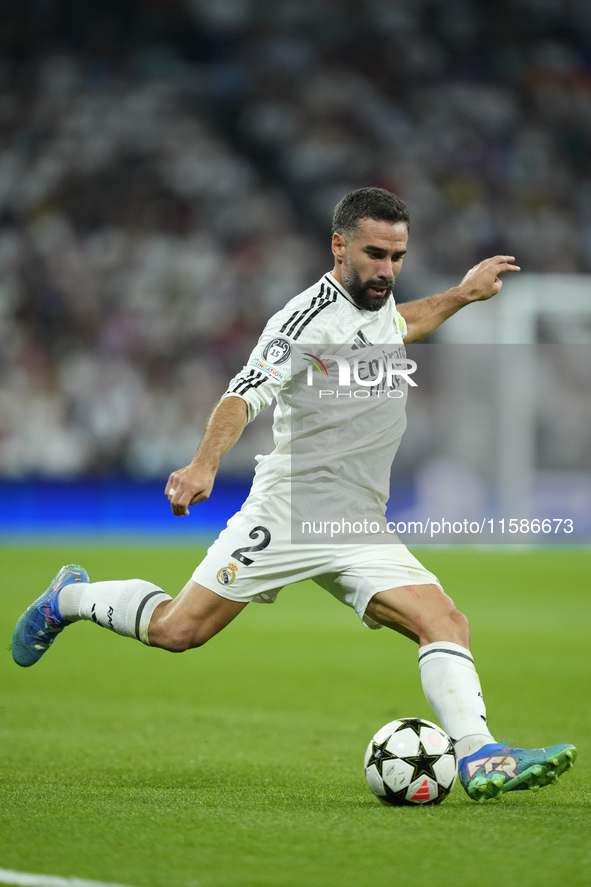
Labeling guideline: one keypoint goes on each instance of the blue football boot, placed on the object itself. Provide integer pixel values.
(41, 623)
(496, 769)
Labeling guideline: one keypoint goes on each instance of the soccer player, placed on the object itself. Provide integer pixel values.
(254, 558)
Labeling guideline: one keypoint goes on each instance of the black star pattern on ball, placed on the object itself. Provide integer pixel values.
(379, 754)
(423, 763)
(394, 799)
(413, 724)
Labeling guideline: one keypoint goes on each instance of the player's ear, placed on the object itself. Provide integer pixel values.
(339, 246)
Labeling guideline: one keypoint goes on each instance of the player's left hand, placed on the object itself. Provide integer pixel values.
(482, 281)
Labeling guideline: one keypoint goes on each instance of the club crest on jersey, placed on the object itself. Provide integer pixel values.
(499, 763)
(277, 351)
(226, 575)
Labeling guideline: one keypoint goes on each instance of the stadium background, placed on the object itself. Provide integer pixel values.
(167, 174)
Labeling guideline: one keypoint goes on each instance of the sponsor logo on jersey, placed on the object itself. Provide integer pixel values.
(265, 368)
(226, 575)
(499, 763)
(277, 351)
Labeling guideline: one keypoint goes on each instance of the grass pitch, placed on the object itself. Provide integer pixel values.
(242, 763)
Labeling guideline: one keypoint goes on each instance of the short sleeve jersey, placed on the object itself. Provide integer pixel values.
(323, 314)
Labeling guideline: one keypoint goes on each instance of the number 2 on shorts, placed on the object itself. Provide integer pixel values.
(258, 547)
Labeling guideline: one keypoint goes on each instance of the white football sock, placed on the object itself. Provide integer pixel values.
(125, 606)
(452, 688)
(68, 600)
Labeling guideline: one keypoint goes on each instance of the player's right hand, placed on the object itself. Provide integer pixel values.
(482, 281)
(189, 486)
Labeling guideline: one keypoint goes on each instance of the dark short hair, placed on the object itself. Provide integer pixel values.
(368, 203)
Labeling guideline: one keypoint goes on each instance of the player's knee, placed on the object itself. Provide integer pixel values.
(454, 626)
(459, 620)
(448, 612)
(443, 622)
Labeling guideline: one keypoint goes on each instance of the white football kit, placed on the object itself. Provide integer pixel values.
(254, 557)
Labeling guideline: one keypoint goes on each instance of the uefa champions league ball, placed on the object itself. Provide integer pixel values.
(410, 761)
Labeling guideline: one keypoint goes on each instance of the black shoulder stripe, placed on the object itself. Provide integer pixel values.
(305, 321)
(340, 290)
(300, 315)
(287, 322)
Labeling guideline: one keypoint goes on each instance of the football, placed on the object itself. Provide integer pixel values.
(410, 761)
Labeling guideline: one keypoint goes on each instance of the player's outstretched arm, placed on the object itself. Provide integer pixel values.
(194, 483)
(480, 283)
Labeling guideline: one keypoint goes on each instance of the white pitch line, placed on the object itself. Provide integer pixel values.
(26, 879)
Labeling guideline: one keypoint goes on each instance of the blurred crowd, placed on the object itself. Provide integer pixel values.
(168, 172)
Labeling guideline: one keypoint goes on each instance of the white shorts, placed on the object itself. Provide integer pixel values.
(254, 558)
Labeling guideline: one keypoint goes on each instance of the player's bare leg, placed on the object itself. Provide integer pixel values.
(191, 618)
(487, 769)
(424, 613)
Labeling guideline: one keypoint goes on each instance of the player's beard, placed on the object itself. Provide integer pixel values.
(360, 294)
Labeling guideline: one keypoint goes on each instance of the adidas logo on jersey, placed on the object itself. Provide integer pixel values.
(360, 341)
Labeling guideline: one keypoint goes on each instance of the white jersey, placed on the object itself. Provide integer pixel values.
(324, 314)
